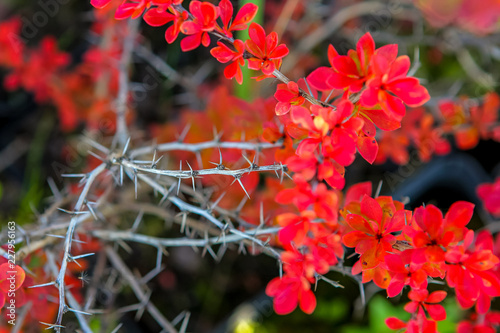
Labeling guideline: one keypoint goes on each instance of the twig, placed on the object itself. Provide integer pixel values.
(125, 272)
(174, 242)
(68, 241)
(196, 147)
(123, 82)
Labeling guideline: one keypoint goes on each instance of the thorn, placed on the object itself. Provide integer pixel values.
(184, 133)
(135, 183)
(115, 177)
(117, 328)
(219, 165)
(327, 280)
(82, 256)
(261, 215)
(178, 318)
(137, 221)
(179, 184)
(63, 237)
(185, 322)
(79, 311)
(217, 136)
(144, 302)
(51, 326)
(96, 145)
(276, 172)
(53, 187)
(220, 253)
(379, 188)
(241, 204)
(74, 175)
(126, 146)
(216, 202)
(34, 210)
(125, 246)
(154, 272)
(192, 175)
(53, 283)
(246, 158)
(199, 160)
(91, 210)
(237, 178)
(71, 212)
(328, 97)
(153, 160)
(241, 248)
(183, 221)
(286, 174)
(165, 196)
(96, 156)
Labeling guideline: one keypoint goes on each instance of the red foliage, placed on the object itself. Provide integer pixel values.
(266, 54)
(204, 14)
(489, 193)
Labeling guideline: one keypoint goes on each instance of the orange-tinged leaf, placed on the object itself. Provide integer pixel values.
(358, 223)
(308, 301)
(11, 275)
(467, 138)
(352, 239)
(368, 148)
(365, 49)
(371, 209)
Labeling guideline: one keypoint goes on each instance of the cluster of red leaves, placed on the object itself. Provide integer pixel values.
(466, 120)
(479, 17)
(261, 51)
(469, 122)
(44, 72)
(490, 195)
(331, 136)
(43, 308)
(396, 248)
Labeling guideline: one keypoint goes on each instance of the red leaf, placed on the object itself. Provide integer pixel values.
(99, 3)
(190, 42)
(436, 297)
(459, 214)
(308, 301)
(245, 15)
(357, 192)
(371, 209)
(436, 312)
(9, 275)
(368, 148)
(318, 79)
(365, 49)
(395, 323)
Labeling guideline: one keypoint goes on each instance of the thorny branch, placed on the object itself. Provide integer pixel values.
(68, 241)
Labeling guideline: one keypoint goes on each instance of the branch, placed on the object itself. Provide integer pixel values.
(68, 240)
(121, 134)
(186, 174)
(175, 242)
(118, 263)
(196, 147)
